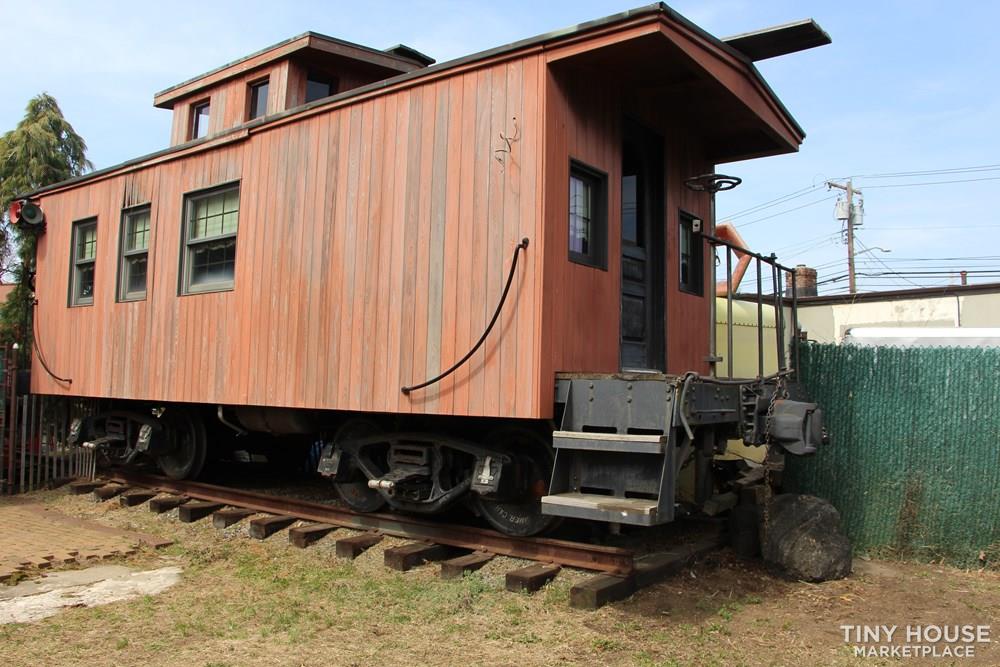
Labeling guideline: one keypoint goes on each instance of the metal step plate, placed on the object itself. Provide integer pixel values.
(610, 442)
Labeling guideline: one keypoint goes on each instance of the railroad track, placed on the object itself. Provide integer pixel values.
(459, 548)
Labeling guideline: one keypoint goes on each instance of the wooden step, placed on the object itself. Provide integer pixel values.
(597, 507)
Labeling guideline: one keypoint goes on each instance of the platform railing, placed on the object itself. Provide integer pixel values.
(766, 267)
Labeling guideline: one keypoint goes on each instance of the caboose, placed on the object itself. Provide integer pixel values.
(489, 281)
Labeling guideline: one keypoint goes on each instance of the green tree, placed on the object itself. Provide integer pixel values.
(43, 149)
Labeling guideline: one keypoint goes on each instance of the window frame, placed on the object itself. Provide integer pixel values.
(319, 76)
(597, 255)
(696, 260)
(194, 125)
(123, 294)
(75, 262)
(252, 87)
(187, 244)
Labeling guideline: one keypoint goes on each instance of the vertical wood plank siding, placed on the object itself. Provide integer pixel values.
(373, 243)
(581, 304)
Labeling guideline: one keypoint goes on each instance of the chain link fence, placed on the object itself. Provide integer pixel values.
(913, 463)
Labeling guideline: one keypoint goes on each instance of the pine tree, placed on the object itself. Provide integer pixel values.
(43, 149)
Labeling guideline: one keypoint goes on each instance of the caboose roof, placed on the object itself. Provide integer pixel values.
(399, 59)
(752, 46)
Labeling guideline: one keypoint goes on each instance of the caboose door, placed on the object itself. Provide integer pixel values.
(642, 301)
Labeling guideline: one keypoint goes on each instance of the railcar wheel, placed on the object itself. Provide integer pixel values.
(351, 483)
(533, 460)
(188, 447)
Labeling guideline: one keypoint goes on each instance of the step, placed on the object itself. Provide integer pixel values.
(597, 507)
(610, 442)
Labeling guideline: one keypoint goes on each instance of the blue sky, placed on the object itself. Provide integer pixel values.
(905, 87)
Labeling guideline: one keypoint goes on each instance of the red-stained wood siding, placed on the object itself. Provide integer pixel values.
(229, 102)
(376, 232)
(374, 240)
(581, 304)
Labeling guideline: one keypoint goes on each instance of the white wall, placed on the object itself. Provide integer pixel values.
(827, 323)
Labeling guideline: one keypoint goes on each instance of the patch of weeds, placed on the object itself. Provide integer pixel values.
(454, 628)
(121, 643)
(628, 626)
(514, 611)
(605, 644)
(727, 610)
(530, 638)
(752, 599)
(557, 592)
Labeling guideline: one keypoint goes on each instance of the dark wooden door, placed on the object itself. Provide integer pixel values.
(642, 226)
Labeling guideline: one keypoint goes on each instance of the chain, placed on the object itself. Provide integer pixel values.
(780, 392)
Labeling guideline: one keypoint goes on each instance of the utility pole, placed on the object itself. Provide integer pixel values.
(849, 189)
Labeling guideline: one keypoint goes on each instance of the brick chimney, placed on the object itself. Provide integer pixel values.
(805, 281)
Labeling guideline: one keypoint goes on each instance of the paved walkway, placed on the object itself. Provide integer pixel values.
(34, 537)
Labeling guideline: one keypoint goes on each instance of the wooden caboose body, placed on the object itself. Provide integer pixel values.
(359, 242)
(375, 227)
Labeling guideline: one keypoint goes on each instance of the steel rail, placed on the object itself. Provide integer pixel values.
(585, 556)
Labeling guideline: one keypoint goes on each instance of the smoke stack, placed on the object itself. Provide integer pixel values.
(805, 281)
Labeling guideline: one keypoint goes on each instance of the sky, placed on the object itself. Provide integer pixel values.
(908, 87)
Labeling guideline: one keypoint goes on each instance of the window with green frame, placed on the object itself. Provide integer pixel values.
(134, 262)
(211, 220)
(84, 260)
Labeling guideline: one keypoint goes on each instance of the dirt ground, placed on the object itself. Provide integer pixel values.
(246, 602)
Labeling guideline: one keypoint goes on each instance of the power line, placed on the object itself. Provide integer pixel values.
(932, 172)
(915, 185)
(773, 202)
(919, 227)
(790, 210)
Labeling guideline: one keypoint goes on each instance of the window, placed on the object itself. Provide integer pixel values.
(209, 254)
(257, 98)
(691, 254)
(84, 254)
(319, 86)
(134, 261)
(199, 120)
(588, 216)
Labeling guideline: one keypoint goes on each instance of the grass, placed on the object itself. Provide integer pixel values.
(245, 602)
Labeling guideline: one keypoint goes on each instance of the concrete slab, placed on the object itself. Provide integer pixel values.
(34, 600)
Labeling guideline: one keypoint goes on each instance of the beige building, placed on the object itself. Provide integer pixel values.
(826, 319)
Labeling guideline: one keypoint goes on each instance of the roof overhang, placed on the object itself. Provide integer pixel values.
(779, 40)
(701, 80)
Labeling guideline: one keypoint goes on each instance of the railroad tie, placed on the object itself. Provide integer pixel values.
(109, 491)
(196, 509)
(162, 504)
(84, 487)
(227, 517)
(303, 536)
(408, 556)
(266, 526)
(529, 579)
(134, 498)
(354, 546)
(456, 567)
